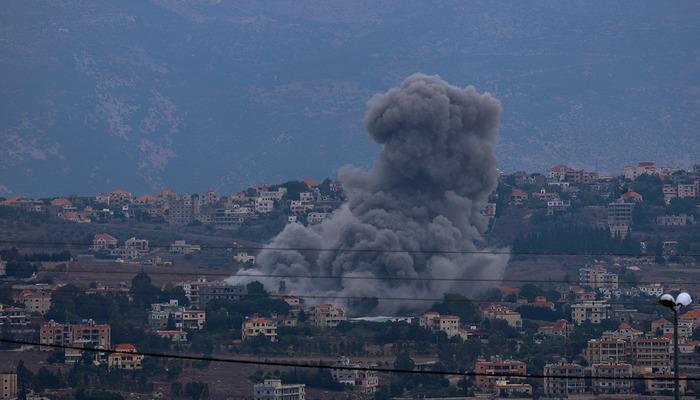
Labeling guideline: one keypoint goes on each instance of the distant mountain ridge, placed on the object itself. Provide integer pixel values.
(197, 94)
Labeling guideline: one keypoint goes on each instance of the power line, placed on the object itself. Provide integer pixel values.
(383, 278)
(420, 299)
(319, 249)
(323, 366)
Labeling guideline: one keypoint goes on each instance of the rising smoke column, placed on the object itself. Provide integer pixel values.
(424, 192)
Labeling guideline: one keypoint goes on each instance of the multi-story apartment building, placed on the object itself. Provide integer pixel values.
(200, 291)
(274, 389)
(489, 373)
(651, 355)
(180, 316)
(620, 218)
(126, 358)
(598, 277)
(663, 384)
(86, 333)
(138, 245)
(651, 289)
(182, 210)
(257, 326)
(601, 351)
(562, 380)
(13, 317)
(8, 385)
(361, 380)
(674, 220)
(499, 311)
(688, 190)
(440, 323)
(595, 311)
(35, 302)
(327, 315)
(633, 172)
(607, 378)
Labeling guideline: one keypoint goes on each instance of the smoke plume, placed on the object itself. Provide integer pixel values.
(419, 202)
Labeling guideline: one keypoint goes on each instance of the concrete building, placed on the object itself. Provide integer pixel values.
(126, 358)
(14, 317)
(86, 333)
(104, 242)
(598, 277)
(34, 302)
(607, 350)
(614, 384)
(595, 311)
(485, 383)
(663, 384)
(361, 380)
(182, 247)
(674, 220)
(633, 172)
(327, 315)
(180, 316)
(440, 323)
(274, 389)
(620, 217)
(651, 355)
(562, 380)
(257, 326)
(8, 385)
(498, 311)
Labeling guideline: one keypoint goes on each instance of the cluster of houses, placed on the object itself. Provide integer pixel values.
(555, 191)
(210, 208)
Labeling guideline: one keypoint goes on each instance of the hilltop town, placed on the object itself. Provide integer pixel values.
(590, 255)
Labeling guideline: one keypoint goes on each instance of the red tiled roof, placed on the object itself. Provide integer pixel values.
(125, 347)
(60, 202)
(104, 236)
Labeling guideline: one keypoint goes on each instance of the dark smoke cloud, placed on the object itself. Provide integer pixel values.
(424, 192)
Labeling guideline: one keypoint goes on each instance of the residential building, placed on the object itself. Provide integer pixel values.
(517, 197)
(498, 311)
(607, 378)
(274, 389)
(674, 220)
(104, 242)
(440, 323)
(3, 268)
(138, 245)
(603, 350)
(633, 172)
(264, 206)
(8, 385)
(179, 316)
(693, 316)
(558, 328)
(244, 258)
(595, 311)
(256, 326)
(598, 277)
(200, 291)
(624, 332)
(669, 248)
(361, 380)
(119, 198)
(182, 210)
(620, 217)
(126, 358)
(173, 335)
(14, 317)
(557, 206)
(663, 384)
(491, 372)
(182, 247)
(315, 218)
(651, 355)
(35, 302)
(670, 192)
(87, 333)
(688, 191)
(489, 210)
(327, 315)
(562, 380)
(651, 289)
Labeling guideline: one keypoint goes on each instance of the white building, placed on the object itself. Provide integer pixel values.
(264, 206)
(316, 217)
(274, 389)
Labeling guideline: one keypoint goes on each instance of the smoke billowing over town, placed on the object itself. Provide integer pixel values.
(415, 214)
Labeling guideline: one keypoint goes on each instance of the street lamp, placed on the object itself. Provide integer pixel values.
(683, 300)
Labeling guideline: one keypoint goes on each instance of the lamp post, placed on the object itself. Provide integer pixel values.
(683, 300)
